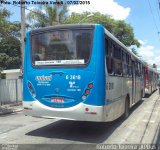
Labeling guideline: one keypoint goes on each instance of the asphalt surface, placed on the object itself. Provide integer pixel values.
(142, 127)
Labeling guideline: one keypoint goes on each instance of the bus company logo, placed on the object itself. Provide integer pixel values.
(71, 84)
(43, 78)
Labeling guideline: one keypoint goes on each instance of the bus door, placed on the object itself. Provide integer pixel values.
(133, 83)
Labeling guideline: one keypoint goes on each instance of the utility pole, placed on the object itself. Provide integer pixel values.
(23, 30)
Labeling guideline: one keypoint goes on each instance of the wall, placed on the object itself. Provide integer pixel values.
(10, 90)
(12, 75)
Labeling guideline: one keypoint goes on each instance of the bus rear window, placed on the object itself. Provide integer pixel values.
(61, 47)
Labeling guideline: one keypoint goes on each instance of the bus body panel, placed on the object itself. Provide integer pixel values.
(151, 80)
(85, 93)
(120, 87)
(100, 84)
(58, 89)
(116, 102)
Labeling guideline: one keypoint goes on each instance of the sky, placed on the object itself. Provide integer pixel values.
(142, 15)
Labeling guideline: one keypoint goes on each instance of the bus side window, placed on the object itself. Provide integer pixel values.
(140, 70)
(117, 67)
(117, 60)
(117, 53)
(136, 68)
(106, 46)
(110, 65)
(109, 60)
(109, 48)
(127, 62)
(130, 68)
(124, 63)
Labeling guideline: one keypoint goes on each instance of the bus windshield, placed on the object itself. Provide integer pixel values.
(61, 47)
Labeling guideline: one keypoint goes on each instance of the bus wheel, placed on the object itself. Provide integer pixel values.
(126, 113)
(141, 96)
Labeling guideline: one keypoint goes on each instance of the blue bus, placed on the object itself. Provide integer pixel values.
(79, 72)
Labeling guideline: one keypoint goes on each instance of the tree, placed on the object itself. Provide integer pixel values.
(124, 32)
(47, 17)
(120, 29)
(97, 17)
(4, 14)
(10, 54)
(134, 51)
(8, 28)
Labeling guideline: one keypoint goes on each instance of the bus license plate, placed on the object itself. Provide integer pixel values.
(58, 100)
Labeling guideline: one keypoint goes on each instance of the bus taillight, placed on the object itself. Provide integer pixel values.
(29, 85)
(87, 92)
(90, 85)
(31, 89)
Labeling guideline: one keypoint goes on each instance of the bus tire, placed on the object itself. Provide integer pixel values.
(141, 95)
(126, 112)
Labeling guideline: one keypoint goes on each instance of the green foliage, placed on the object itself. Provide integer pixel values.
(124, 32)
(4, 13)
(10, 54)
(3, 76)
(134, 51)
(120, 29)
(40, 18)
(10, 32)
(95, 18)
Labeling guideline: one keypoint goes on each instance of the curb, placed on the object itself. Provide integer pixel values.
(156, 139)
(10, 112)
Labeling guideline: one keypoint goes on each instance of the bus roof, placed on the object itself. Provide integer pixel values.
(64, 26)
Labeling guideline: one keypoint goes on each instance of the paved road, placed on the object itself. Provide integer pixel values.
(142, 127)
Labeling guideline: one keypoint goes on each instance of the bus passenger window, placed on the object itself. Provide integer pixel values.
(109, 65)
(106, 46)
(124, 57)
(136, 69)
(117, 67)
(117, 53)
(125, 71)
(127, 59)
